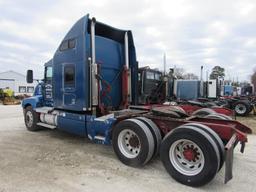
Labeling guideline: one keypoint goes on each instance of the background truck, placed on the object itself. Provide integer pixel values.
(151, 86)
(90, 88)
(188, 92)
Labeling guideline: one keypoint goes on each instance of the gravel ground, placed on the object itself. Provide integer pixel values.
(249, 121)
(51, 160)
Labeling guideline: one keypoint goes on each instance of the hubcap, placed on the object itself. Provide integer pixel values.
(129, 143)
(240, 109)
(29, 118)
(186, 157)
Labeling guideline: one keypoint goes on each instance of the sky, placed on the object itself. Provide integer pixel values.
(192, 33)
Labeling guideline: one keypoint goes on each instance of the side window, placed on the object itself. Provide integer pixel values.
(67, 44)
(69, 76)
(48, 75)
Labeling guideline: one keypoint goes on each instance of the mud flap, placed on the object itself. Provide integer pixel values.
(229, 154)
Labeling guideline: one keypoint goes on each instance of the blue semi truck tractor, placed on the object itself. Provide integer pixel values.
(84, 80)
(90, 89)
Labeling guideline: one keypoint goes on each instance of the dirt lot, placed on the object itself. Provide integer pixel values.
(50, 160)
(250, 121)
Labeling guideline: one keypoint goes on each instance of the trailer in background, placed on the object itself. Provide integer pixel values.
(227, 90)
(187, 89)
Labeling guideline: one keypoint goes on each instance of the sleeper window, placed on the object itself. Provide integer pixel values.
(64, 46)
(67, 44)
(71, 43)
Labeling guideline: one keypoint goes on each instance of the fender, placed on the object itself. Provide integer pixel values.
(34, 101)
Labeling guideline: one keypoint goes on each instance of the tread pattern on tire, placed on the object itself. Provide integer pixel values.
(146, 139)
(155, 132)
(34, 126)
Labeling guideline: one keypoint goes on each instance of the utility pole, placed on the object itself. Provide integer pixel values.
(164, 64)
(201, 83)
(201, 75)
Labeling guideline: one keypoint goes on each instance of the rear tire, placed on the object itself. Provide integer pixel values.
(215, 137)
(133, 142)
(31, 119)
(196, 171)
(242, 108)
(155, 132)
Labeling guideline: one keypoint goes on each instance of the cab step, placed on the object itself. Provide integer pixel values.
(46, 125)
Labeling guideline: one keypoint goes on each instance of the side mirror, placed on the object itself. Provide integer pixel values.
(29, 76)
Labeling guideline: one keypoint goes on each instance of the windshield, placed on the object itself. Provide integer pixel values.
(157, 76)
(153, 76)
(150, 75)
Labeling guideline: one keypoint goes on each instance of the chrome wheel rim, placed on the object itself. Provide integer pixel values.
(29, 118)
(186, 157)
(129, 143)
(240, 109)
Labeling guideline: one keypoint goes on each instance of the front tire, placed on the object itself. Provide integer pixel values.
(190, 156)
(31, 119)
